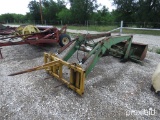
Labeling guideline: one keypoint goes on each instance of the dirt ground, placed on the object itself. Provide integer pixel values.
(113, 90)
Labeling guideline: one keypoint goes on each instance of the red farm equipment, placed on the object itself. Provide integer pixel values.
(6, 30)
(32, 35)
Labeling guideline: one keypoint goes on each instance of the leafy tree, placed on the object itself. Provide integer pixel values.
(102, 16)
(125, 10)
(7, 17)
(152, 8)
(52, 8)
(49, 9)
(12, 18)
(34, 10)
(64, 15)
(82, 10)
(145, 11)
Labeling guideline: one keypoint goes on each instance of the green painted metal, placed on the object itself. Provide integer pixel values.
(104, 46)
(97, 56)
(74, 48)
(118, 46)
(91, 52)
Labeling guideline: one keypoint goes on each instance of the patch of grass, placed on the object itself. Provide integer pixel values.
(148, 32)
(108, 28)
(158, 51)
(93, 28)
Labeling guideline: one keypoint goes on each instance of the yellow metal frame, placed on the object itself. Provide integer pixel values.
(77, 74)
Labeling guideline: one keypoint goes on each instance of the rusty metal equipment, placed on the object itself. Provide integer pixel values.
(32, 35)
(118, 46)
(6, 30)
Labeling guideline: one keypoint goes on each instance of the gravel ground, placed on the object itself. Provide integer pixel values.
(113, 90)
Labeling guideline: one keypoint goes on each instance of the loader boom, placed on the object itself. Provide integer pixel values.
(118, 46)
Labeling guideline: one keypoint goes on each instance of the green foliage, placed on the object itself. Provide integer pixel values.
(54, 11)
(82, 10)
(51, 9)
(125, 10)
(12, 18)
(145, 11)
(64, 15)
(103, 15)
(34, 10)
(152, 10)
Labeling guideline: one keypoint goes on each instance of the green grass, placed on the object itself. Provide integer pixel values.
(148, 32)
(93, 28)
(108, 28)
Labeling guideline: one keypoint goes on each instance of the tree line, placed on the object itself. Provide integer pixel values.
(146, 12)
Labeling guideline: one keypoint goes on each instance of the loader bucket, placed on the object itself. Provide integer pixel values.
(138, 51)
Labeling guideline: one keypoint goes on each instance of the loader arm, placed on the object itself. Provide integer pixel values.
(118, 46)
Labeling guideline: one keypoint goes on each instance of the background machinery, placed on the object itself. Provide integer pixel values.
(36, 35)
